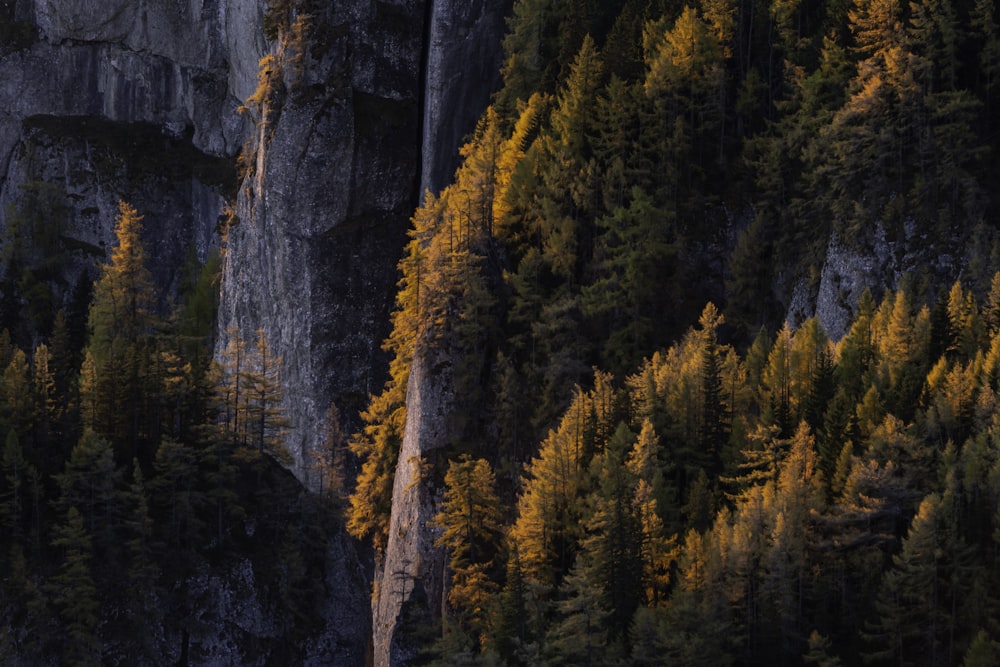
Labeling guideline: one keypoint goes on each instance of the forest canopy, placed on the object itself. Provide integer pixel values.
(744, 490)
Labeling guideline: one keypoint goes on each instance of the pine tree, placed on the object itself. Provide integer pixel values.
(578, 637)
(141, 595)
(17, 404)
(18, 475)
(265, 417)
(74, 593)
(550, 508)
(613, 547)
(910, 621)
(876, 25)
(177, 500)
(982, 652)
(89, 484)
(46, 408)
(633, 259)
(123, 297)
(714, 416)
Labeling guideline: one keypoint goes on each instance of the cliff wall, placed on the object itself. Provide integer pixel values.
(109, 99)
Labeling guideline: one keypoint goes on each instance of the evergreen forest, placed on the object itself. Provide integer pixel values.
(651, 459)
(135, 468)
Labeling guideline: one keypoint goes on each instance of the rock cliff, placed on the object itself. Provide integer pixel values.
(138, 100)
(412, 577)
(371, 113)
(348, 137)
(109, 100)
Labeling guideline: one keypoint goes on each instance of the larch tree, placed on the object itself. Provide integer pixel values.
(550, 507)
(469, 520)
(120, 322)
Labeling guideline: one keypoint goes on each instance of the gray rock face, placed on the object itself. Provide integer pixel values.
(845, 276)
(463, 68)
(374, 114)
(879, 265)
(356, 130)
(414, 571)
(138, 99)
(235, 624)
(103, 106)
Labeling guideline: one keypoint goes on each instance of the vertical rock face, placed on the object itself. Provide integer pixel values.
(463, 65)
(109, 100)
(311, 260)
(375, 110)
(409, 595)
(138, 99)
(374, 114)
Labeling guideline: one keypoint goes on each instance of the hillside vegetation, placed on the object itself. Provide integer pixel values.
(626, 486)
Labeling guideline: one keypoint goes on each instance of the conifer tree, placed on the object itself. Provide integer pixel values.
(578, 637)
(141, 589)
(633, 261)
(120, 324)
(18, 409)
(18, 475)
(612, 551)
(982, 652)
(910, 622)
(75, 594)
(550, 509)
(876, 25)
(469, 519)
(176, 498)
(89, 484)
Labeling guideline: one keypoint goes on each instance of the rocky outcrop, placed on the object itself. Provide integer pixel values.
(373, 111)
(125, 100)
(119, 98)
(463, 68)
(877, 265)
(235, 623)
(364, 119)
(412, 577)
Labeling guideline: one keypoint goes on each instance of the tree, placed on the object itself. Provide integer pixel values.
(177, 500)
(123, 296)
(18, 410)
(469, 519)
(634, 257)
(777, 378)
(329, 463)
(18, 477)
(264, 410)
(876, 25)
(612, 550)
(249, 392)
(819, 652)
(89, 484)
(550, 510)
(43, 381)
(982, 652)
(74, 593)
(569, 196)
(685, 79)
(120, 323)
(578, 637)
(141, 588)
(911, 621)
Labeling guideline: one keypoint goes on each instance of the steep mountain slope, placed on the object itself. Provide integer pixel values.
(339, 116)
(783, 159)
